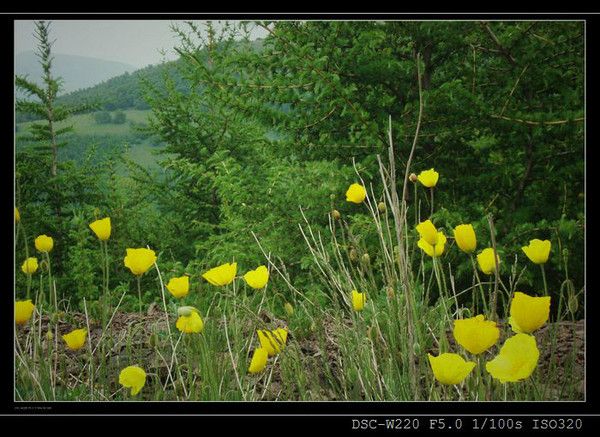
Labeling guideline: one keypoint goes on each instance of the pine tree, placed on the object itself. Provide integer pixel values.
(41, 101)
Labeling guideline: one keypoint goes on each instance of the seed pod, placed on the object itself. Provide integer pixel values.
(336, 214)
(390, 292)
(366, 259)
(381, 207)
(573, 304)
(289, 309)
(186, 311)
(413, 177)
(153, 340)
(49, 335)
(353, 255)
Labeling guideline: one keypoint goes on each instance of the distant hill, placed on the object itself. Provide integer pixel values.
(124, 91)
(78, 72)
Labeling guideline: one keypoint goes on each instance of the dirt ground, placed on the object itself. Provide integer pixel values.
(563, 341)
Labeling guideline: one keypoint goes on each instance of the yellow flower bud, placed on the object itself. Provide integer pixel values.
(75, 339)
(44, 243)
(133, 377)
(465, 238)
(429, 178)
(23, 311)
(336, 214)
(257, 278)
(139, 260)
(381, 207)
(101, 228)
(358, 300)
(221, 275)
(356, 193)
(450, 369)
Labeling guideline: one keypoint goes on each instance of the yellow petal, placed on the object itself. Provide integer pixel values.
(75, 339)
(259, 360)
(179, 287)
(476, 334)
(528, 313)
(429, 178)
(17, 215)
(538, 251)
(101, 228)
(221, 275)
(517, 359)
(44, 243)
(30, 266)
(465, 238)
(139, 260)
(430, 250)
(428, 232)
(356, 193)
(273, 341)
(358, 300)
(23, 311)
(257, 278)
(486, 261)
(450, 369)
(191, 324)
(133, 377)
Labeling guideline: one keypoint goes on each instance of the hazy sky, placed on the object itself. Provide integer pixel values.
(134, 42)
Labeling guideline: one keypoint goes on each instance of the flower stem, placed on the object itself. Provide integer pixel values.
(50, 280)
(544, 279)
(431, 190)
(485, 308)
(139, 293)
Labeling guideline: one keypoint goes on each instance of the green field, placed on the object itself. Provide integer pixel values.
(136, 146)
(84, 124)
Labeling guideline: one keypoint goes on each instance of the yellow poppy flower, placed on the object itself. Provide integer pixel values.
(259, 360)
(133, 377)
(179, 287)
(44, 243)
(358, 300)
(17, 215)
(450, 369)
(538, 251)
(23, 311)
(75, 339)
(257, 278)
(476, 334)
(222, 275)
(528, 313)
(101, 228)
(190, 324)
(517, 359)
(429, 178)
(428, 232)
(356, 193)
(30, 266)
(139, 260)
(465, 238)
(433, 251)
(486, 261)
(273, 341)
